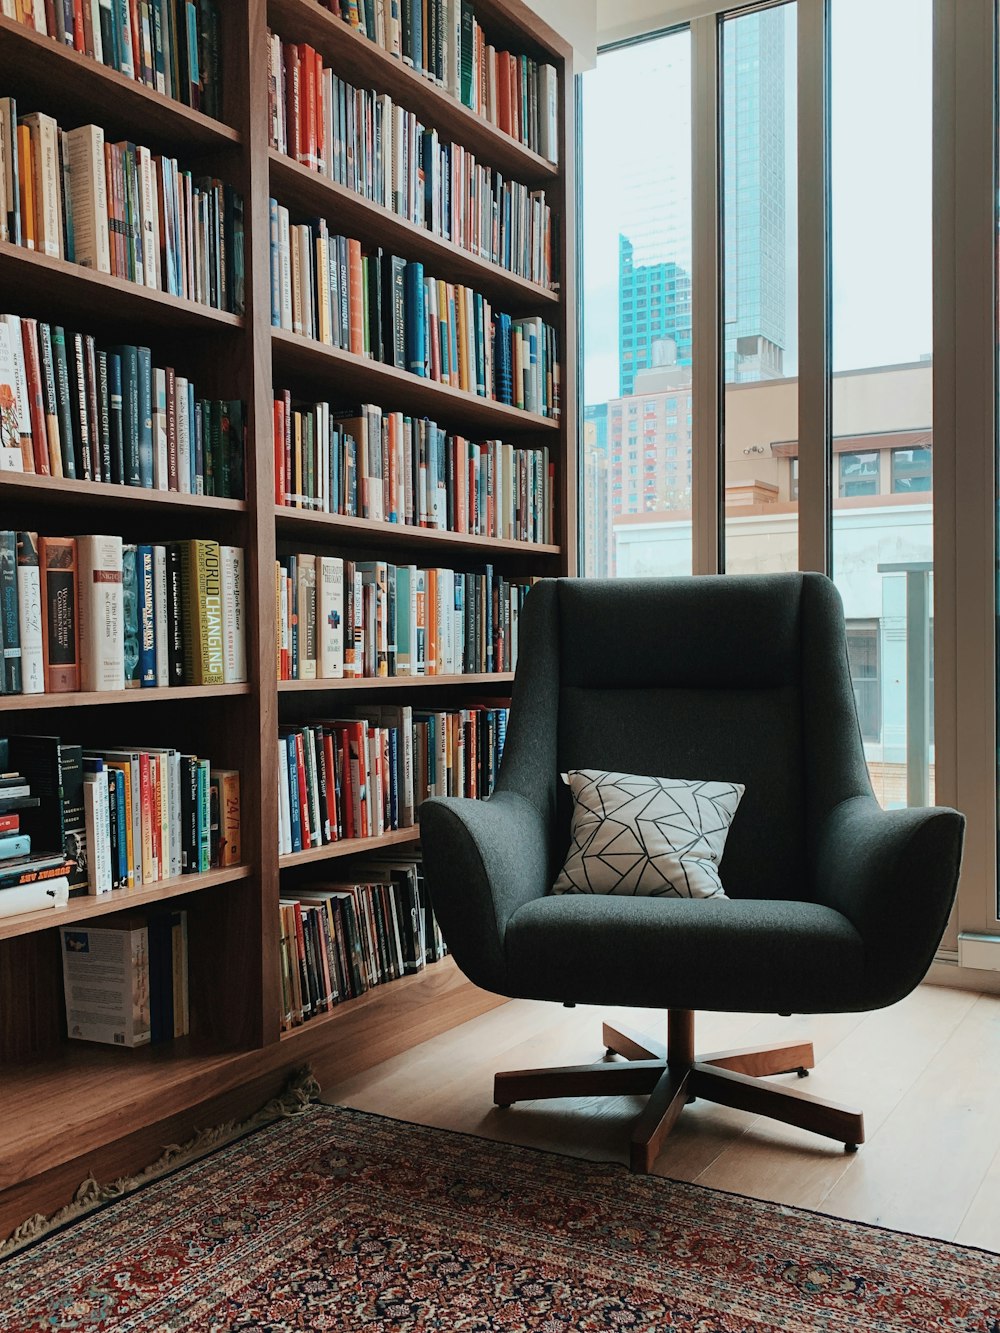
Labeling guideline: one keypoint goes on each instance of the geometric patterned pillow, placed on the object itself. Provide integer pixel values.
(652, 837)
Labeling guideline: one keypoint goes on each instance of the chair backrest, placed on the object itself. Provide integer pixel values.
(736, 678)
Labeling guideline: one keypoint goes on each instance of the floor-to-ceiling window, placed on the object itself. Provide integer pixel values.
(759, 332)
(881, 99)
(637, 355)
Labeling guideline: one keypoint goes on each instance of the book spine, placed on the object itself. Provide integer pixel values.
(145, 565)
(233, 586)
(60, 630)
(10, 629)
(175, 621)
(29, 611)
(102, 640)
(161, 635)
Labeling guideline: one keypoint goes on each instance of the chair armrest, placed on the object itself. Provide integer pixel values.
(483, 860)
(893, 874)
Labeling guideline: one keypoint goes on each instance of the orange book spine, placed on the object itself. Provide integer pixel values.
(279, 452)
(356, 297)
(26, 181)
(430, 607)
(60, 622)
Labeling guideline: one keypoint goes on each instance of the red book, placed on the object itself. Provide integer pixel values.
(10, 823)
(293, 110)
(173, 467)
(307, 105)
(356, 289)
(79, 34)
(36, 404)
(279, 452)
(331, 786)
(60, 622)
(137, 60)
(320, 116)
(503, 91)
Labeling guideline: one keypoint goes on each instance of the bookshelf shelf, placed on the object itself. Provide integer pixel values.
(350, 847)
(85, 909)
(30, 488)
(313, 195)
(359, 377)
(366, 530)
(34, 281)
(361, 61)
(109, 1110)
(83, 90)
(478, 679)
(14, 703)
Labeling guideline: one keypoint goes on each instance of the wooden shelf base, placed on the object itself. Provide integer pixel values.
(350, 847)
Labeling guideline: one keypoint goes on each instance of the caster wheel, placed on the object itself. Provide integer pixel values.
(802, 1073)
(850, 1147)
(504, 1106)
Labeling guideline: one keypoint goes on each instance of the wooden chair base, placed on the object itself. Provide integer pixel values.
(671, 1076)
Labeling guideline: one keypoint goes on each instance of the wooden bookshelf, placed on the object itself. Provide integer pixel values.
(110, 1110)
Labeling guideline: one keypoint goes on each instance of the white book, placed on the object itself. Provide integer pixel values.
(284, 803)
(232, 568)
(160, 621)
(306, 599)
(97, 824)
(548, 112)
(106, 982)
(35, 897)
(161, 465)
(29, 614)
(97, 42)
(23, 406)
(183, 437)
(285, 250)
(44, 134)
(102, 635)
(4, 229)
(11, 456)
(330, 616)
(89, 190)
(149, 218)
(171, 832)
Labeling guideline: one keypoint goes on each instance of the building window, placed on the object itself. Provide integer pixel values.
(793, 482)
(858, 474)
(863, 656)
(911, 470)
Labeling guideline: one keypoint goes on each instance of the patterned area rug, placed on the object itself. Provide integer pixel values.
(336, 1220)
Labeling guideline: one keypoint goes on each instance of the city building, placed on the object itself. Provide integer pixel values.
(654, 315)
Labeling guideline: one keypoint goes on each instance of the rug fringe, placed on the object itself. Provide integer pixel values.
(300, 1093)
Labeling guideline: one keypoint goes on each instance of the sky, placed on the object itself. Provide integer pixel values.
(881, 98)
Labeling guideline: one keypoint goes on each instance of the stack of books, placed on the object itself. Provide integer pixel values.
(358, 618)
(340, 939)
(173, 46)
(444, 40)
(70, 408)
(384, 307)
(126, 980)
(127, 818)
(363, 776)
(96, 613)
(30, 878)
(326, 124)
(119, 209)
(366, 462)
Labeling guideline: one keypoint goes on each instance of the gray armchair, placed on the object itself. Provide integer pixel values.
(834, 904)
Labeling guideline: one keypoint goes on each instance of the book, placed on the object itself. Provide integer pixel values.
(146, 592)
(60, 626)
(107, 983)
(101, 610)
(10, 627)
(232, 578)
(201, 586)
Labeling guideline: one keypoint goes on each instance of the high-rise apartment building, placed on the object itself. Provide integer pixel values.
(654, 315)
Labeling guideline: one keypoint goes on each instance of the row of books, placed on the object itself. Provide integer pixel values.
(119, 209)
(385, 307)
(126, 980)
(96, 613)
(173, 46)
(365, 462)
(368, 143)
(340, 939)
(110, 818)
(444, 40)
(368, 618)
(367, 774)
(69, 408)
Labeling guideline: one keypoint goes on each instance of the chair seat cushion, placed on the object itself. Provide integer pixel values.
(721, 954)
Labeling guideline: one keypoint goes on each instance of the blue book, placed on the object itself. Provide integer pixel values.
(393, 778)
(204, 817)
(15, 844)
(272, 213)
(117, 776)
(480, 346)
(147, 617)
(416, 318)
(145, 400)
(417, 34)
(293, 619)
(502, 361)
(192, 428)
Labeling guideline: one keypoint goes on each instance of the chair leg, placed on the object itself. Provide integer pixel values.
(632, 1044)
(759, 1061)
(788, 1105)
(665, 1104)
(598, 1080)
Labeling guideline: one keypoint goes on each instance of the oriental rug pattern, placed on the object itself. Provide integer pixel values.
(335, 1220)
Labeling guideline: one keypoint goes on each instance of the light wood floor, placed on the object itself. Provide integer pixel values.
(926, 1073)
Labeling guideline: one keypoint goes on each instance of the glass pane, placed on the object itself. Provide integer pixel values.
(636, 462)
(760, 248)
(881, 102)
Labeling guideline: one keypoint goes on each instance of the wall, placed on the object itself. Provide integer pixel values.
(576, 20)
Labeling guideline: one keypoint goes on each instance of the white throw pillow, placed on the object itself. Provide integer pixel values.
(648, 837)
